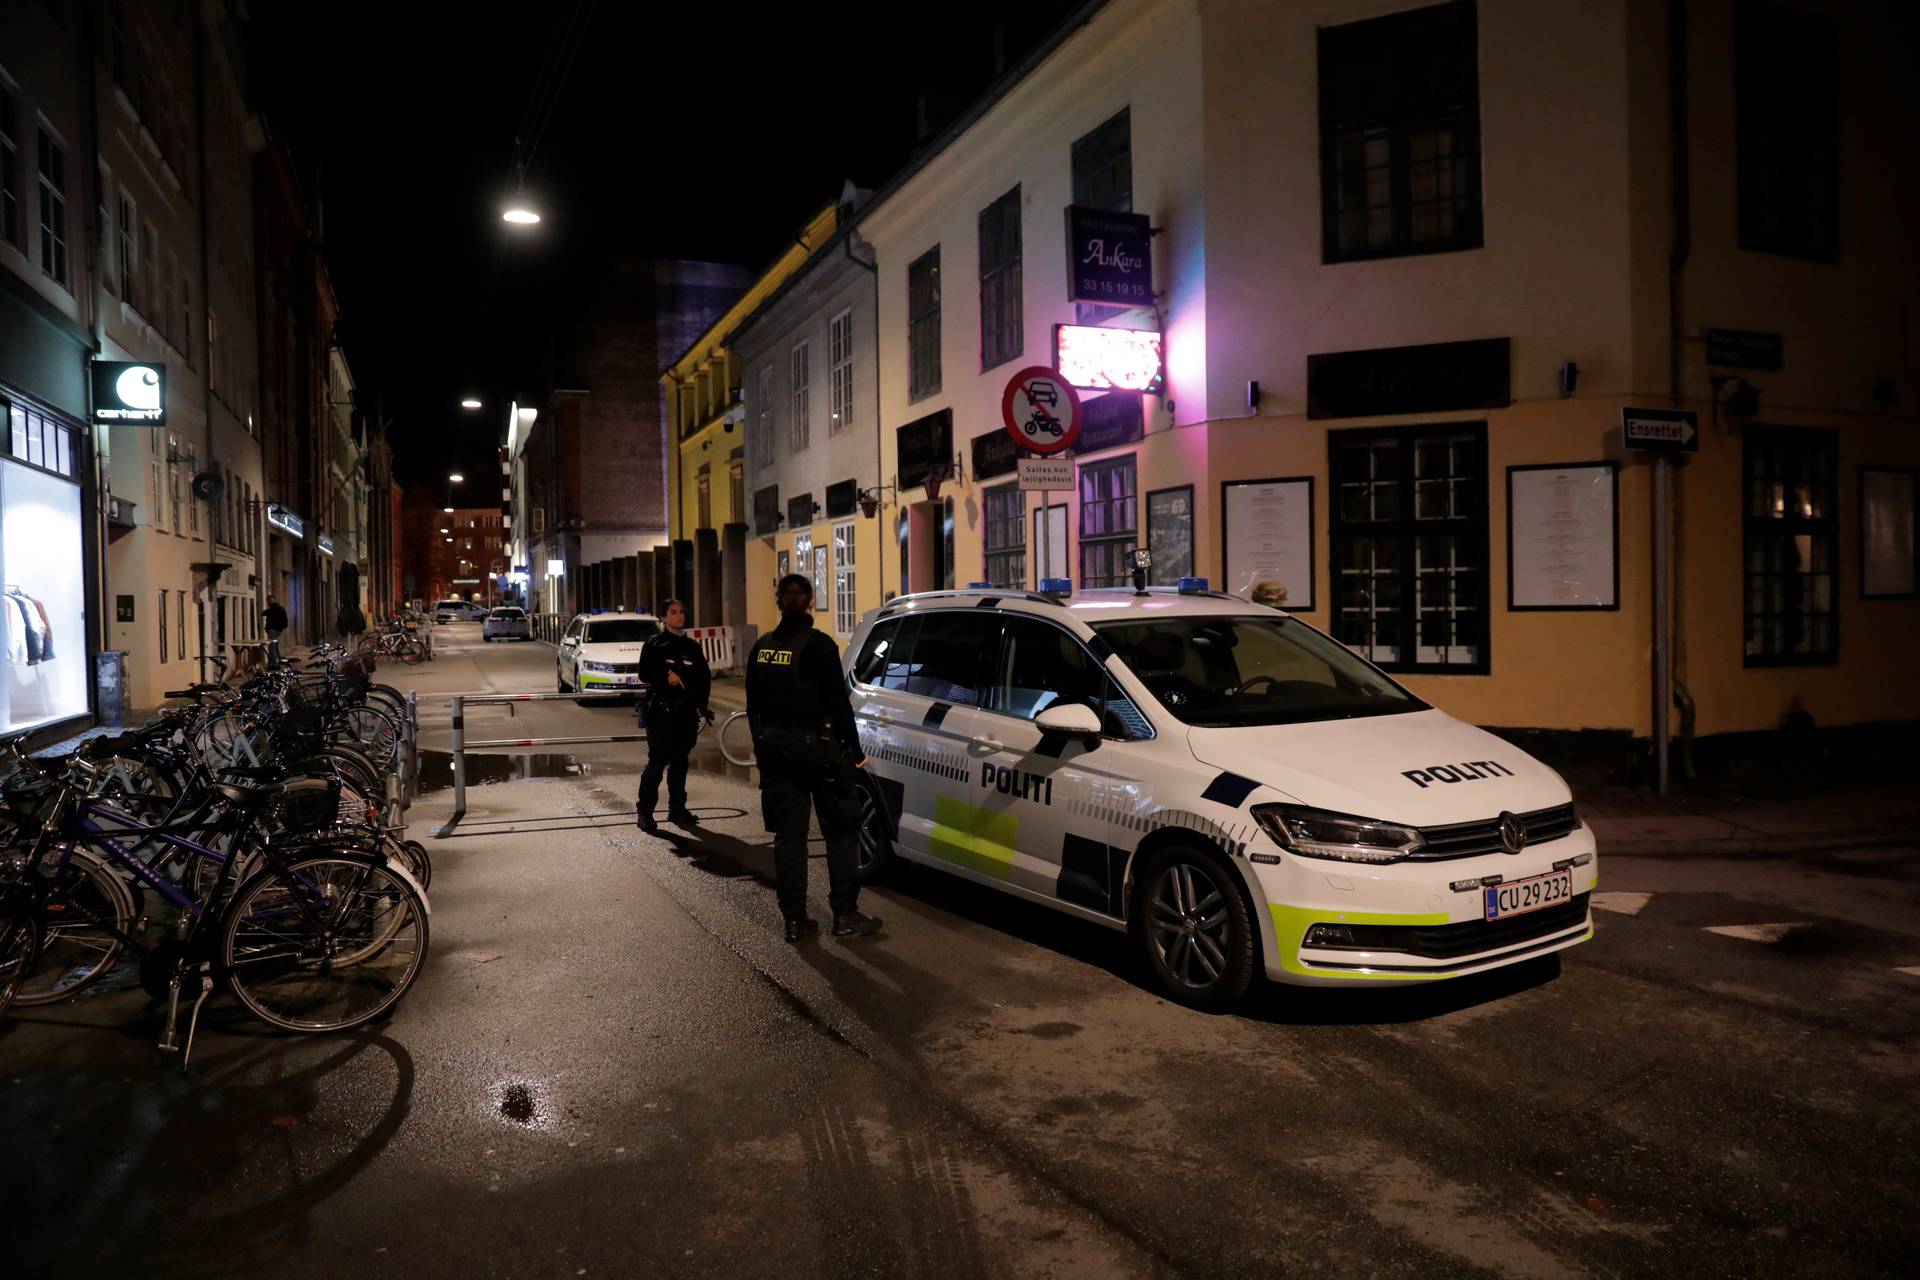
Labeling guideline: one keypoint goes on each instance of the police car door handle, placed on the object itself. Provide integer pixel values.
(989, 743)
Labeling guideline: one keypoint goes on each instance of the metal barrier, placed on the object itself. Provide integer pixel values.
(461, 745)
(717, 645)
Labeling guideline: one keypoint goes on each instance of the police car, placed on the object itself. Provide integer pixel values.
(1235, 789)
(601, 651)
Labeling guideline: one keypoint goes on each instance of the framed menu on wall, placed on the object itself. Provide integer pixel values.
(1563, 536)
(1886, 532)
(1170, 534)
(1266, 529)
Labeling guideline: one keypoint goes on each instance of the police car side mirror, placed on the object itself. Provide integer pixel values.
(1069, 720)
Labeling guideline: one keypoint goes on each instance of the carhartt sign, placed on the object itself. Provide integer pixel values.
(126, 393)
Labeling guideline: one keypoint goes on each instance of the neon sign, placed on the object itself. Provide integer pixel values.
(1108, 359)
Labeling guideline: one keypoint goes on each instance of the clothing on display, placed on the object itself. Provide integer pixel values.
(29, 633)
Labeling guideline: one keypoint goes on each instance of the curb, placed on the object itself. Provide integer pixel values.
(1758, 847)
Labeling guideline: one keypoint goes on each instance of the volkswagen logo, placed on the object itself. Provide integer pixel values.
(1513, 833)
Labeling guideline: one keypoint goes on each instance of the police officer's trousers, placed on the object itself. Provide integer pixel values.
(798, 768)
(670, 737)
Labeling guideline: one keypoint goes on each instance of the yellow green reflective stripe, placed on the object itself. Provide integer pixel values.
(1290, 926)
(975, 838)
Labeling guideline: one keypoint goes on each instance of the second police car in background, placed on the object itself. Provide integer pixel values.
(1234, 788)
(601, 651)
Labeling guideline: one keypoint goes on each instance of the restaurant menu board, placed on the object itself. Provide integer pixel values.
(1268, 538)
(1561, 537)
(1886, 531)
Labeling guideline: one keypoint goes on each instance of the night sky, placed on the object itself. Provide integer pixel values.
(697, 131)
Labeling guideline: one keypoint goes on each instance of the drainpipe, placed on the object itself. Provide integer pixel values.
(1670, 642)
(873, 269)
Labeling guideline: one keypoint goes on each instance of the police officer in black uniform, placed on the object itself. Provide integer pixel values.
(678, 680)
(808, 750)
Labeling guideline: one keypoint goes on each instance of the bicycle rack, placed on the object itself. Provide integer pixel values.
(747, 762)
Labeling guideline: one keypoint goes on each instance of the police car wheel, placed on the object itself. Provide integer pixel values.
(1194, 927)
(560, 684)
(876, 846)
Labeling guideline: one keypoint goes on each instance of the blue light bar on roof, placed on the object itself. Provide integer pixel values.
(1056, 586)
(1193, 586)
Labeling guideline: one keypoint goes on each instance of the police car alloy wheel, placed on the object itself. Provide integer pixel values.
(876, 847)
(1194, 926)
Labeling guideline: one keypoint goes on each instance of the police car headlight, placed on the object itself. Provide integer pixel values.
(1340, 836)
(598, 666)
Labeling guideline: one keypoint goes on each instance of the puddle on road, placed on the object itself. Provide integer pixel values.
(436, 768)
(523, 1102)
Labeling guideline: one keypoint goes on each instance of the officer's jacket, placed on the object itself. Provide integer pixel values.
(794, 677)
(666, 653)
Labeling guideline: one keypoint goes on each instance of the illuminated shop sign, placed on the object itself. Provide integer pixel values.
(325, 544)
(130, 393)
(1109, 257)
(556, 568)
(281, 518)
(1108, 359)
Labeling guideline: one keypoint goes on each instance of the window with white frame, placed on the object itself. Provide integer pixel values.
(797, 395)
(149, 268)
(185, 344)
(164, 321)
(844, 613)
(803, 556)
(1001, 298)
(840, 373)
(53, 208)
(1109, 521)
(159, 494)
(763, 411)
(1004, 535)
(9, 165)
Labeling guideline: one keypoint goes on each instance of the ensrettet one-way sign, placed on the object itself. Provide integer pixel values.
(1660, 430)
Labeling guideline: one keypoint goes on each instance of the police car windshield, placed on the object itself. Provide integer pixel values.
(620, 631)
(1217, 672)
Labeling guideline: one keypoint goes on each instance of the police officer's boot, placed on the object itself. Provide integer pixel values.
(854, 925)
(798, 930)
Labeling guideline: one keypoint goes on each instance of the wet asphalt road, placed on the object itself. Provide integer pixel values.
(613, 1067)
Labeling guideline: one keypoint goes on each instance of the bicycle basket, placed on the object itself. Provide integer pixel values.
(307, 804)
(28, 797)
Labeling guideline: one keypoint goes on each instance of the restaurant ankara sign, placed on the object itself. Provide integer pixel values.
(1109, 257)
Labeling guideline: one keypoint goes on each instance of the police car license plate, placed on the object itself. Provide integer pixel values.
(1531, 894)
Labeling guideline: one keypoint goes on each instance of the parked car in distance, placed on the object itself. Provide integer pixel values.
(601, 651)
(474, 611)
(448, 611)
(507, 623)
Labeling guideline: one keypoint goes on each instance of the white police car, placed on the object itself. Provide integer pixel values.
(601, 651)
(1235, 788)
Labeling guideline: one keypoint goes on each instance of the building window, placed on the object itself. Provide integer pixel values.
(763, 418)
(180, 621)
(161, 614)
(1004, 536)
(173, 482)
(164, 320)
(1409, 528)
(129, 252)
(9, 165)
(923, 325)
(185, 344)
(803, 557)
(840, 371)
(1787, 107)
(1109, 522)
(149, 271)
(1000, 294)
(845, 613)
(53, 209)
(1790, 547)
(159, 493)
(1400, 134)
(798, 403)
(1103, 166)
(737, 493)
(703, 493)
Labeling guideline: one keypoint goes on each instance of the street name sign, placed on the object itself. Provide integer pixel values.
(1046, 473)
(1660, 430)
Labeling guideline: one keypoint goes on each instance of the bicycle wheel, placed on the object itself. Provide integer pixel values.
(19, 949)
(323, 943)
(370, 728)
(88, 914)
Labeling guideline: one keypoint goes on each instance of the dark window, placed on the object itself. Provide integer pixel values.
(162, 616)
(9, 166)
(1787, 96)
(923, 325)
(1400, 134)
(53, 208)
(1109, 522)
(946, 655)
(870, 667)
(1410, 546)
(1000, 294)
(1790, 547)
(1103, 166)
(1005, 536)
(1041, 666)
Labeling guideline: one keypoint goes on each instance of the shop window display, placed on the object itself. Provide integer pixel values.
(41, 605)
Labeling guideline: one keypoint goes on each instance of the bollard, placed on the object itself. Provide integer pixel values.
(459, 767)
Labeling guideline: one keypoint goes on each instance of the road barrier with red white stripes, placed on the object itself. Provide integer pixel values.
(460, 744)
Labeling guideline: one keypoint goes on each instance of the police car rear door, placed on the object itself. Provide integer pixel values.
(914, 702)
(1038, 806)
